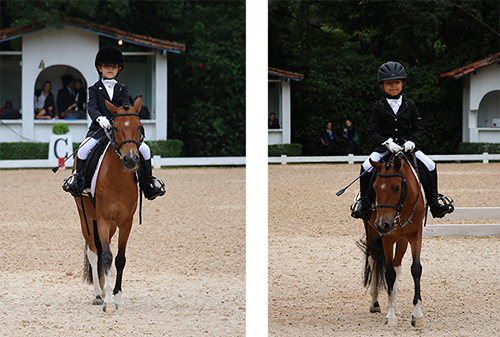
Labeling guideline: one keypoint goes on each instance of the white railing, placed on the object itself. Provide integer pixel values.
(351, 159)
(466, 213)
(157, 161)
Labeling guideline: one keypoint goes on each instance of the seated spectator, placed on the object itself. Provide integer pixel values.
(273, 121)
(44, 102)
(66, 96)
(8, 112)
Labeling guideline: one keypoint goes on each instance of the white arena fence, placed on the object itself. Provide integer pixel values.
(351, 159)
(466, 213)
(157, 162)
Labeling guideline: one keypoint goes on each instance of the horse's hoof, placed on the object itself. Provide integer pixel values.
(375, 308)
(417, 322)
(98, 300)
(109, 308)
(391, 321)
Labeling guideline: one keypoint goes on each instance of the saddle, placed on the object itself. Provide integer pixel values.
(90, 165)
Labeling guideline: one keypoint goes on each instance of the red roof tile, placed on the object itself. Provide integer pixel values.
(465, 70)
(13, 32)
(285, 73)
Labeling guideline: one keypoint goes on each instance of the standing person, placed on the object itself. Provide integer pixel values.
(329, 139)
(396, 125)
(349, 135)
(44, 102)
(66, 96)
(109, 62)
(80, 95)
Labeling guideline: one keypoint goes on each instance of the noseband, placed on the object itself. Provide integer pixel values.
(112, 137)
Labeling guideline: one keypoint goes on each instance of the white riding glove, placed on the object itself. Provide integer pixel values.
(409, 146)
(393, 147)
(103, 122)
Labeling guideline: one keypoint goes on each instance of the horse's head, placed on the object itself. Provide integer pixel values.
(127, 132)
(391, 190)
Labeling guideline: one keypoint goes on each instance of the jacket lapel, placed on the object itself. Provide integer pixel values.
(100, 86)
(386, 107)
(404, 106)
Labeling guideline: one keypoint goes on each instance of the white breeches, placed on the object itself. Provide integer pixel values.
(375, 156)
(84, 151)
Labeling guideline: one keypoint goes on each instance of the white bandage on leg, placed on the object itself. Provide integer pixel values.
(145, 151)
(84, 151)
(375, 156)
(431, 166)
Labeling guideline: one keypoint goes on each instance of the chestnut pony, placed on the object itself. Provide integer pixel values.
(397, 219)
(116, 195)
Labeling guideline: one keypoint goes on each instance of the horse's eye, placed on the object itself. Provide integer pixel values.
(396, 189)
(115, 129)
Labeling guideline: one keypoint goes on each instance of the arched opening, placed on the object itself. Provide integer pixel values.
(58, 75)
(488, 114)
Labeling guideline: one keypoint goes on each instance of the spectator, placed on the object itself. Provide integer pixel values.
(273, 122)
(350, 136)
(81, 95)
(66, 96)
(329, 139)
(8, 112)
(44, 102)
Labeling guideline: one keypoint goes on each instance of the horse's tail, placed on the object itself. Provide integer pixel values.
(87, 268)
(376, 251)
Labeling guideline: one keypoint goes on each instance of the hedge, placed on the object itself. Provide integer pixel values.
(479, 148)
(284, 149)
(11, 151)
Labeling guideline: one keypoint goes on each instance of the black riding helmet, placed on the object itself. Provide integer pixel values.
(391, 71)
(109, 55)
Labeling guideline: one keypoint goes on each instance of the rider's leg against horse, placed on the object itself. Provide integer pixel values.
(150, 185)
(75, 183)
(439, 205)
(362, 208)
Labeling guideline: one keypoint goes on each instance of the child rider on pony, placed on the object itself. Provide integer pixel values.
(396, 125)
(109, 62)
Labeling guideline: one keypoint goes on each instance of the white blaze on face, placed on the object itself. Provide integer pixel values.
(127, 123)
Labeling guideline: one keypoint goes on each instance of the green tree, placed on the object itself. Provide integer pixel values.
(339, 45)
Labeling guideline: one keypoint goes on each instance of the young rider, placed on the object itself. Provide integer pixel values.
(109, 62)
(396, 125)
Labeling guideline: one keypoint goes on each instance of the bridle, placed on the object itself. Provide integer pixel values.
(112, 137)
(402, 198)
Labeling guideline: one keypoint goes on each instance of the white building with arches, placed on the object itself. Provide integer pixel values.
(481, 100)
(41, 54)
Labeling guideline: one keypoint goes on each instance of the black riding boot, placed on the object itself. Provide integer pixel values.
(439, 204)
(75, 183)
(362, 208)
(150, 185)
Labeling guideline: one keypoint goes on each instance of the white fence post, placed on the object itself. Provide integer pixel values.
(283, 159)
(350, 158)
(485, 158)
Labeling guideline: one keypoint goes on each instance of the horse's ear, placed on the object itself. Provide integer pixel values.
(397, 163)
(376, 165)
(138, 104)
(111, 107)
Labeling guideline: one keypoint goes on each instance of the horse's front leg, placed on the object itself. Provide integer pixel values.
(107, 260)
(390, 277)
(401, 247)
(93, 259)
(374, 305)
(417, 318)
(120, 261)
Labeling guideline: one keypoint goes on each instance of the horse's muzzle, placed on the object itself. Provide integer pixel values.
(130, 161)
(384, 226)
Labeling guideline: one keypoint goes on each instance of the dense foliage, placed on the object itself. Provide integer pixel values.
(206, 82)
(277, 150)
(339, 46)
